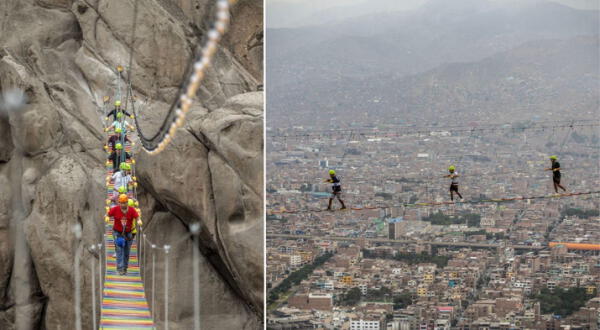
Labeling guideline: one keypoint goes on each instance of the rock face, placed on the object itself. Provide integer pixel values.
(62, 53)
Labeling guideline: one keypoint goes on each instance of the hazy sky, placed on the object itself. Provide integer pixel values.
(294, 13)
(321, 4)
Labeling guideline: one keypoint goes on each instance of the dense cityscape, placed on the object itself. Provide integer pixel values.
(390, 98)
(394, 261)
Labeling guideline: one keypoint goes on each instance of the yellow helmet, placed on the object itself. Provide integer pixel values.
(331, 172)
(117, 103)
(553, 157)
(451, 168)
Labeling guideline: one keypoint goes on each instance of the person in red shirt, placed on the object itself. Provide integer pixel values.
(124, 217)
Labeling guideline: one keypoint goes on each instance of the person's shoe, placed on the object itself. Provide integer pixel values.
(329, 209)
(343, 208)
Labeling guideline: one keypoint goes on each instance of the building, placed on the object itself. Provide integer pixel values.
(295, 260)
(399, 325)
(394, 227)
(364, 325)
(317, 301)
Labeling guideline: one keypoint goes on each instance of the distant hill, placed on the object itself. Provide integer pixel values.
(550, 78)
(378, 50)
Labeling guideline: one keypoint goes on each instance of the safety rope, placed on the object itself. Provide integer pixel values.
(195, 74)
(483, 201)
(567, 135)
(428, 180)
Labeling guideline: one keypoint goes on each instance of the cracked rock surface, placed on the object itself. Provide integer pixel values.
(62, 54)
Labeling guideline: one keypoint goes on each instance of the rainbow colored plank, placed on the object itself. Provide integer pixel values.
(124, 304)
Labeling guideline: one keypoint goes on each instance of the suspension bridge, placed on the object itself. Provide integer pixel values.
(122, 295)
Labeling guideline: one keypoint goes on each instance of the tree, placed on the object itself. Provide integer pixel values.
(273, 296)
(562, 301)
(351, 297)
(300, 274)
(402, 300)
(472, 219)
(378, 295)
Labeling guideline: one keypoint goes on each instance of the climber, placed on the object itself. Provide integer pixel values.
(453, 182)
(120, 124)
(122, 178)
(116, 156)
(118, 137)
(118, 192)
(124, 217)
(555, 173)
(131, 202)
(336, 190)
(117, 110)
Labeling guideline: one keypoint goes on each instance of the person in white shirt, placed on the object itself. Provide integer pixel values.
(122, 178)
(121, 124)
(453, 182)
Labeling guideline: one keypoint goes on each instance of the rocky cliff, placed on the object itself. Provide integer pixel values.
(62, 54)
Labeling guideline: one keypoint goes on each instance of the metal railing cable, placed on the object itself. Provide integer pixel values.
(196, 72)
(166, 248)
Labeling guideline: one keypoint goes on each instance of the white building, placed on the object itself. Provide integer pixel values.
(295, 260)
(364, 325)
(363, 289)
(328, 285)
(399, 325)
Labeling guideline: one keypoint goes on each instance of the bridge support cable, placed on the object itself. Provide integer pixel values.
(429, 204)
